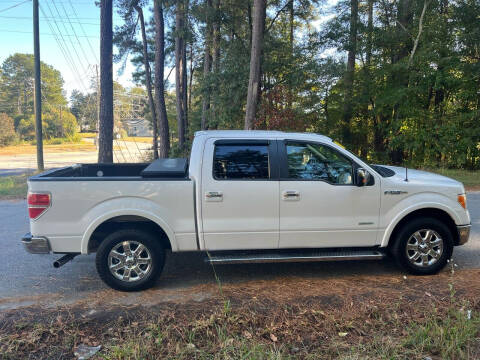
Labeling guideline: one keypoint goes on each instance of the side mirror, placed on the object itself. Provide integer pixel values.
(363, 177)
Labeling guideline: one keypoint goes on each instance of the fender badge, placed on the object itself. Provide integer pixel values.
(395, 192)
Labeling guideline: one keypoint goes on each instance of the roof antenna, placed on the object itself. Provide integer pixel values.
(406, 174)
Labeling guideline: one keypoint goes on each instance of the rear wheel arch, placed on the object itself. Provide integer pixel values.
(107, 226)
(130, 259)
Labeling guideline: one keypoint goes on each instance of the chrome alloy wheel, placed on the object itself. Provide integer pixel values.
(129, 261)
(424, 247)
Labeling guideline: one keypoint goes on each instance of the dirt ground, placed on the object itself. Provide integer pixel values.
(353, 317)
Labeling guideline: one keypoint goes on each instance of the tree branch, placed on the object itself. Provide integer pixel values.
(277, 14)
(404, 29)
(420, 29)
(169, 73)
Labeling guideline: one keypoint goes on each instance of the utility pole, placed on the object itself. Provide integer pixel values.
(98, 106)
(105, 136)
(38, 89)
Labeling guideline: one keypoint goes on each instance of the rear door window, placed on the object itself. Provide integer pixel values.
(237, 161)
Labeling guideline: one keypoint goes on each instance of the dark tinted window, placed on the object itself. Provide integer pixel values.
(308, 161)
(241, 162)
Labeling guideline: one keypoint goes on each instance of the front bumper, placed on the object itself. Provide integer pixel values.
(463, 233)
(36, 245)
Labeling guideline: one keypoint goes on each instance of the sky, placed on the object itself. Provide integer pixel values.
(69, 37)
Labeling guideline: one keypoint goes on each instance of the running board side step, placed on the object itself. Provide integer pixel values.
(239, 257)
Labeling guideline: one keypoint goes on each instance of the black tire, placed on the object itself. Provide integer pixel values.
(154, 251)
(399, 248)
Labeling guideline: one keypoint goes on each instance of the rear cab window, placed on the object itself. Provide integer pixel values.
(237, 161)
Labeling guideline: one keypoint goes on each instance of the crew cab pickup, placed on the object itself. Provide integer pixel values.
(245, 196)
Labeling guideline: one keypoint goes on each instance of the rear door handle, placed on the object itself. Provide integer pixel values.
(214, 196)
(291, 195)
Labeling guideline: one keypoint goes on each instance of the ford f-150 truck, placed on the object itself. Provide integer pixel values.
(245, 196)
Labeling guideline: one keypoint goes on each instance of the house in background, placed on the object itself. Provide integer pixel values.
(138, 127)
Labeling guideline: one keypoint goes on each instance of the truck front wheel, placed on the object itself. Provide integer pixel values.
(130, 260)
(423, 246)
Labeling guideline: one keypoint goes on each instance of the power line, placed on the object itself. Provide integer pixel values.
(64, 49)
(47, 34)
(79, 2)
(75, 33)
(70, 41)
(14, 6)
(63, 46)
(45, 19)
(83, 30)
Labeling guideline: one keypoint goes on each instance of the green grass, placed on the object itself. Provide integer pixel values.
(74, 139)
(469, 178)
(13, 186)
(447, 336)
(439, 336)
(443, 336)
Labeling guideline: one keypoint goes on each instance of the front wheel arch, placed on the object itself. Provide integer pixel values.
(424, 213)
(426, 247)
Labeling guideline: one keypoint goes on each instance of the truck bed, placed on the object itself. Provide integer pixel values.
(171, 169)
(86, 195)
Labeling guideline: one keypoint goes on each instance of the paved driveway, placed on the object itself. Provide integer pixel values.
(27, 278)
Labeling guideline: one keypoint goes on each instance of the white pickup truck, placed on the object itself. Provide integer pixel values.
(245, 196)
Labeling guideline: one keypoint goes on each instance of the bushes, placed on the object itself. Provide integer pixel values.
(26, 128)
(7, 130)
(56, 123)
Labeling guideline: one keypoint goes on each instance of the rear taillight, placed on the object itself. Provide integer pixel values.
(38, 203)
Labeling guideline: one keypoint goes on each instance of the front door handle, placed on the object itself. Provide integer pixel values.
(214, 196)
(291, 195)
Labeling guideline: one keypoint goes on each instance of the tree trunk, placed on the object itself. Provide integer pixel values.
(179, 69)
(105, 136)
(250, 23)
(290, 83)
(349, 74)
(185, 80)
(207, 65)
(192, 69)
(404, 21)
(161, 111)
(148, 82)
(215, 61)
(368, 82)
(255, 62)
(369, 33)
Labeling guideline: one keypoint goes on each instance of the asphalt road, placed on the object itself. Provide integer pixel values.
(26, 279)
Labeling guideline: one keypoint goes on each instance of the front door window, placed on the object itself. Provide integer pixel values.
(309, 161)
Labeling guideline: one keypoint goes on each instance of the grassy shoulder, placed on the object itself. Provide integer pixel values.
(48, 147)
(470, 178)
(13, 187)
(363, 317)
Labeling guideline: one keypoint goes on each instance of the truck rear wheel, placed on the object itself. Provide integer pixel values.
(130, 260)
(423, 246)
